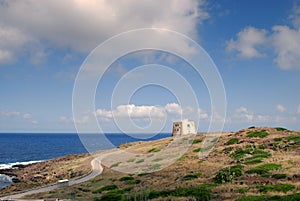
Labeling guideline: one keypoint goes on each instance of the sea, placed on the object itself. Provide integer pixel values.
(26, 148)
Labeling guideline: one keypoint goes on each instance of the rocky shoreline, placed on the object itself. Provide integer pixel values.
(46, 172)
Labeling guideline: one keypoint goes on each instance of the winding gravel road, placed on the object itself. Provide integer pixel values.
(97, 169)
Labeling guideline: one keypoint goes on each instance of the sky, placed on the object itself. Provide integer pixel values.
(255, 46)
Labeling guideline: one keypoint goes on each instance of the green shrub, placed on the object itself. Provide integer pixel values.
(292, 197)
(155, 167)
(197, 150)
(232, 141)
(191, 176)
(131, 160)
(115, 164)
(264, 169)
(261, 134)
(227, 174)
(257, 155)
(281, 129)
(278, 139)
(154, 150)
(200, 193)
(115, 195)
(279, 176)
(251, 127)
(106, 188)
(252, 198)
(280, 188)
(140, 161)
(157, 159)
(127, 178)
(243, 190)
(295, 138)
(196, 141)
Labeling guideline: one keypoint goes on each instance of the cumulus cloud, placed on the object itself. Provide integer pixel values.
(27, 116)
(280, 108)
(284, 41)
(11, 41)
(81, 25)
(173, 108)
(247, 42)
(83, 120)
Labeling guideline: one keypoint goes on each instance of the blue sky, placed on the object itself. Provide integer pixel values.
(255, 46)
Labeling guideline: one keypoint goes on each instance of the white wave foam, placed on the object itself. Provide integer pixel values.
(10, 165)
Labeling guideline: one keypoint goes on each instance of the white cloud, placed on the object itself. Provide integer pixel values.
(242, 113)
(11, 41)
(283, 40)
(287, 47)
(34, 122)
(27, 116)
(10, 113)
(247, 42)
(132, 111)
(280, 108)
(83, 120)
(81, 25)
(173, 108)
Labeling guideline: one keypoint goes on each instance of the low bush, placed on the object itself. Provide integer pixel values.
(154, 150)
(279, 176)
(260, 134)
(278, 139)
(131, 160)
(114, 195)
(264, 169)
(191, 176)
(196, 141)
(106, 188)
(227, 174)
(281, 129)
(280, 188)
(295, 138)
(127, 178)
(232, 141)
(292, 197)
(140, 161)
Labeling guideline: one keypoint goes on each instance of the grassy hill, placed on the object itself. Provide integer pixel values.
(252, 164)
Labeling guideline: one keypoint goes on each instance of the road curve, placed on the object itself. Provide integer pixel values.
(97, 169)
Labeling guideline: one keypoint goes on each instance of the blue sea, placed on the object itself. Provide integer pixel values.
(21, 148)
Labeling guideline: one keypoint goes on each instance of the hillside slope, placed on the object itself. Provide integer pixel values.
(251, 164)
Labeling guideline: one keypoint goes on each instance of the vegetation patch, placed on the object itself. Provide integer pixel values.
(281, 129)
(196, 141)
(292, 197)
(106, 188)
(232, 141)
(127, 178)
(279, 176)
(155, 166)
(295, 138)
(115, 164)
(278, 139)
(227, 174)
(264, 169)
(157, 159)
(131, 160)
(260, 134)
(256, 155)
(279, 188)
(199, 193)
(140, 161)
(154, 150)
(191, 176)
